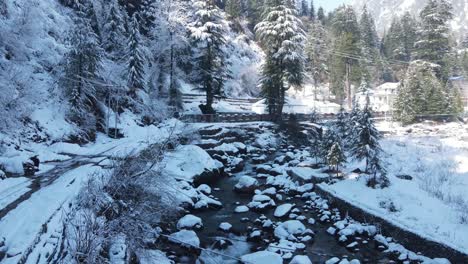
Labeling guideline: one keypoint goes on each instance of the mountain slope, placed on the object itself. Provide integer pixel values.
(385, 10)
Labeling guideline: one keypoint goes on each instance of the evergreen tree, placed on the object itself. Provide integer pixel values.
(207, 31)
(378, 172)
(312, 14)
(345, 67)
(433, 42)
(234, 8)
(328, 139)
(401, 38)
(341, 125)
(135, 60)
(83, 65)
(321, 15)
(366, 137)
(420, 93)
(282, 37)
(454, 100)
(304, 8)
(335, 157)
(317, 51)
(114, 29)
(370, 47)
(147, 16)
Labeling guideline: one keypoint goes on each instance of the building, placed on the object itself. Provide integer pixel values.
(381, 98)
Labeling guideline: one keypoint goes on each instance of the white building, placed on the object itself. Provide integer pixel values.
(381, 98)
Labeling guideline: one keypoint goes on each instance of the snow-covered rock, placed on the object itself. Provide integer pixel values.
(189, 162)
(189, 222)
(262, 257)
(186, 238)
(288, 228)
(246, 184)
(225, 226)
(241, 209)
(300, 259)
(283, 210)
(260, 202)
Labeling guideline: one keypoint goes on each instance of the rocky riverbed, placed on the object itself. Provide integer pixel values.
(270, 212)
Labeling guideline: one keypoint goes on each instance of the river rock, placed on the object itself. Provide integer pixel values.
(283, 210)
(246, 184)
(186, 238)
(300, 259)
(262, 257)
(189, 222)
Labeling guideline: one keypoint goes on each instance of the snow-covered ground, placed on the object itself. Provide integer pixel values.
(434, 203)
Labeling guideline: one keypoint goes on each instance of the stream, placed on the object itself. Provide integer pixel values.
(321, 248)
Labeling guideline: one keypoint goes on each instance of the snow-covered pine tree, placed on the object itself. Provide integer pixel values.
(328, 138)
(433, 43)
(234, 8)
(147, 15)
(377, 171)
(365, 144)
(454, 99)
(114, 29)
(364, 87)
(420, 93)
(135, 72)
(335, 157)
(401, 38)
(282, 37)
(341, 125)
(83, 65)
(207, 31)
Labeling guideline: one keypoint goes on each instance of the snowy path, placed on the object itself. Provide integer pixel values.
(23, 224)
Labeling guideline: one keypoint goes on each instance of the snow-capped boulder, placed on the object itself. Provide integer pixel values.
(241, 209)
(246, 184)
(283, 210)
(289, 229)
(191, 163)
(300, 259)
(262, 257)
(225, 226)
(189, 222)
(186, 238)
(261, 202)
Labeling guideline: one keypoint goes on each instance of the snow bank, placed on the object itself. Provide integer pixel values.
(189, 161)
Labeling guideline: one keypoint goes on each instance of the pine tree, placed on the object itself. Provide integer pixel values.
(234, 8)
(317, 51)
(282, 37)
(114, 29)
(433, 42)
(378, 172)
(335, 157)
(304, 8)
(370, 47)
(328, 139)
(366, 137)
(135, 60)
(454, 99)
(420, 93)
(83, 65)
(207, 31)
(312, 14)
(147, 16)
(345, 68)
(341, 125)
(321, 15)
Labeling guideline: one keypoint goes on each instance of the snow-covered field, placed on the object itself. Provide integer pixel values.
(434, 203)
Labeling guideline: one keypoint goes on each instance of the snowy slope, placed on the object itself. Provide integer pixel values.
(385, 10)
